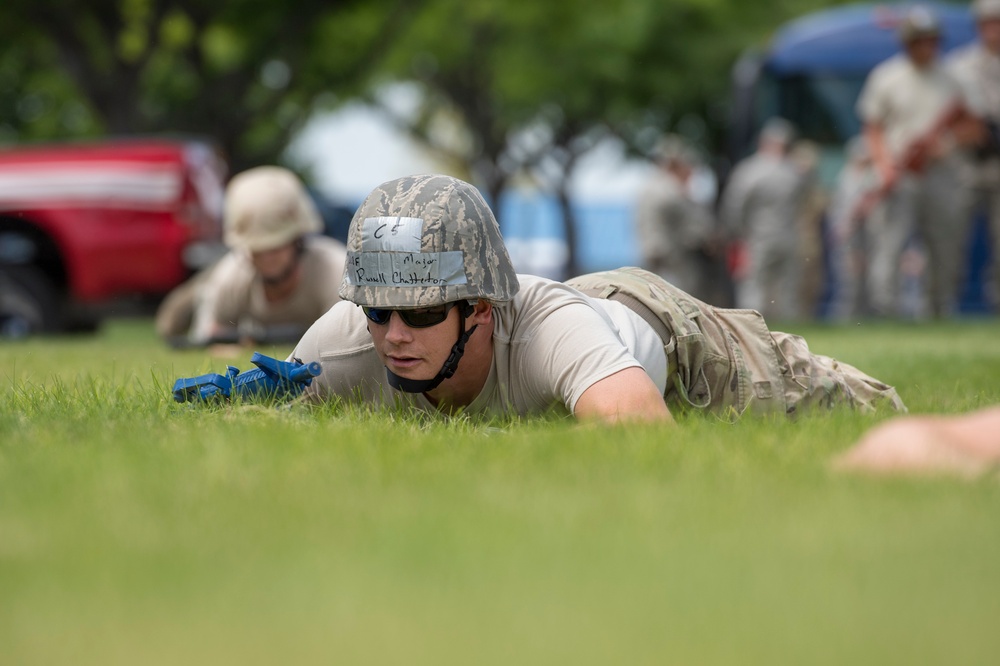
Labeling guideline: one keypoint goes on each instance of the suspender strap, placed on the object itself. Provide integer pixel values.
(612, 293)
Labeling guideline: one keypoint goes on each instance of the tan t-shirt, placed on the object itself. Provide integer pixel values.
(978, 70)
(906, 101)
(550, 344)
(233, 294)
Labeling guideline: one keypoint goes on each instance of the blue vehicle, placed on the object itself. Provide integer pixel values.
(812, 73)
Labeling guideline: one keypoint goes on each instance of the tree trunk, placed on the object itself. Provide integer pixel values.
(572, 268)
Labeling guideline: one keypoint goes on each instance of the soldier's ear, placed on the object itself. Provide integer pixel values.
(482, 312)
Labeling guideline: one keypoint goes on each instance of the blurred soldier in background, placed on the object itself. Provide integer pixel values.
(812, 209)
(847, 231)
(674, 230)
(977, 67)
(760, 209)
(914, 113)
(278, 277)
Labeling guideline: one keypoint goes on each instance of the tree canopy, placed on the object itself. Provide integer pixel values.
(532, 86)
(510, 89)
(246, 73)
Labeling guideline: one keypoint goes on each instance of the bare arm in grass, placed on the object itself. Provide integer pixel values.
(964, 444)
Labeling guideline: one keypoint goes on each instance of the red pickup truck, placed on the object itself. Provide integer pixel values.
(84, 226)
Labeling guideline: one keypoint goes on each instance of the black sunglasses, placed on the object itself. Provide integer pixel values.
(419, 318)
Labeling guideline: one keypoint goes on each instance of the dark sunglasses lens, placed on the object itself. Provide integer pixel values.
(378, 315)
(413, 318)
(425, 317)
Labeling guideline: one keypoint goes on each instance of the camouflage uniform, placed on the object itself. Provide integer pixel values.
(978, 70)
(728, 361)
(673, 230)
(848, 228)
(553, 340)
(761, 205)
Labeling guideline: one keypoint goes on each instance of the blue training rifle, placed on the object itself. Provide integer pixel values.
(272, 379)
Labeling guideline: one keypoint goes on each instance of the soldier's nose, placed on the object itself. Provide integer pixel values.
(396, 330)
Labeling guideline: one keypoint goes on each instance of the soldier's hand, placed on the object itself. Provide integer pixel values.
(888, 175)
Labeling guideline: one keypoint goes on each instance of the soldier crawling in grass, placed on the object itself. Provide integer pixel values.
(446, 325)
(279, 276)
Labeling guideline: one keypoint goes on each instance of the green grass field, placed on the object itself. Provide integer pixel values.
(134, 530)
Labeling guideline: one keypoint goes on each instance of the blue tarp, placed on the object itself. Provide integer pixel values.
(855, 38)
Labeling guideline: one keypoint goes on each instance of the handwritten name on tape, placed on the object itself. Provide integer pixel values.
(406, 269)
(390, 255)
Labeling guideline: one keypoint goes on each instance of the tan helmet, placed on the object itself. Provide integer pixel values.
(919, 22)
(986, 9)
(426, 240)
(267, 207)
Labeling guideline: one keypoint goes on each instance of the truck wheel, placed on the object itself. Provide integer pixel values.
(29, 304)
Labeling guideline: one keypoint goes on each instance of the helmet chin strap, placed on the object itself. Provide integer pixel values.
(450, 364)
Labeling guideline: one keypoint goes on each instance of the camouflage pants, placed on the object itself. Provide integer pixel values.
(728, 361)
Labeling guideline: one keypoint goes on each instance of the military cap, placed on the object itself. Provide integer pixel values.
(919, 22)
(986, 9)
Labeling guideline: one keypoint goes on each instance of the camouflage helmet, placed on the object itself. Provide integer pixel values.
(267, 207)
(919, 22)
(426, 240)
(985, 10)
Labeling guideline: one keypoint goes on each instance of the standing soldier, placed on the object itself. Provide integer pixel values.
(814, 200)
(760, 209)
(847, 231)
(276, 280)
(977, 67)
(674, 231)
(912, 111)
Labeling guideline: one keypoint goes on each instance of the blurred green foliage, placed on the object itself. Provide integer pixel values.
(250, 72)
(247, 73)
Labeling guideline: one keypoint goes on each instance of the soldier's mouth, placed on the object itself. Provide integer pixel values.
(403, 361)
